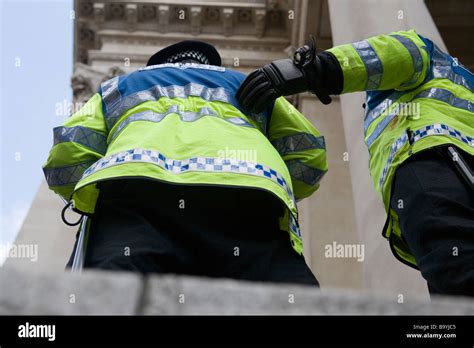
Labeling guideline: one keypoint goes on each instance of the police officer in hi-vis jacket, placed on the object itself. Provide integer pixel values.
(419, 132)
(148, 162)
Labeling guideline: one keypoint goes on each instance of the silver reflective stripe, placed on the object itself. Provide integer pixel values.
(301, 172)
(440, 94)
(186, 116)
(238, 121)
(447, 97)
(415, 56)
(262, 122)
(156, 92)
(442, 68)
(394, 148)
(441, 129)
(94, 140)
(298, 142)
(193, 164)
(111, 94)
(372, 114)
(373, 65)
(58, 176)
(190, 116)
(383, 124)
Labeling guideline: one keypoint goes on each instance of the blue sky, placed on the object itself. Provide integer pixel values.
(36, 46)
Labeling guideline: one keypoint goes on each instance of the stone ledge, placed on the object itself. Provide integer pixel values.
(99, 293)
(106, 293)
(224, 297)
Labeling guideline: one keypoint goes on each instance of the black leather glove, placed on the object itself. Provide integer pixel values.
(283, 77)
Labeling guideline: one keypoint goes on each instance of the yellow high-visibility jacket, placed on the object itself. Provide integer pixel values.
(418, 97)
(180, 123)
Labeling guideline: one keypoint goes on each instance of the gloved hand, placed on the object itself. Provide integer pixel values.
(283, 77)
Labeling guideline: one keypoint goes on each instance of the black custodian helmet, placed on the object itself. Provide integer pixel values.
(187, 51)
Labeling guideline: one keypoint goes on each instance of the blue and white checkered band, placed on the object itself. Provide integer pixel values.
(441, 129)
(197, 164)
(294, 228)
(430, 130)
(193, 164)
(183, 66)
(188, 55)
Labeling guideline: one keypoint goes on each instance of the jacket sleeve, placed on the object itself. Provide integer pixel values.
(300, 145)
(80, 142)
(399, 61)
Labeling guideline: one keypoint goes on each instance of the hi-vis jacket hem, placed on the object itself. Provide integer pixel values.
(174, 168)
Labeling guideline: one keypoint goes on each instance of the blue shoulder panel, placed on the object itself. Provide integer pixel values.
(443, 65)
(174, 81)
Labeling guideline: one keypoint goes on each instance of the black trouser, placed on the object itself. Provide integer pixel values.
(436, 211)
(148, 226)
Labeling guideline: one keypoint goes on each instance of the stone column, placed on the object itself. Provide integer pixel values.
(327, 216)
(44, 230)
(353, 20)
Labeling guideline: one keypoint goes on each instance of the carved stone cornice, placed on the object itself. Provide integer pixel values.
(99, 14)
(260, 22)
(164, 17)
(132, 16)
(193, 17)
(228, 21)
(107, 31)
(118, 37)
(228, 59)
